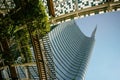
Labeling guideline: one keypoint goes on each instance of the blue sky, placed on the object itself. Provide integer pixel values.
(105, 59)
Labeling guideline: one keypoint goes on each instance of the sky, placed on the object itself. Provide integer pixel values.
(104, 63)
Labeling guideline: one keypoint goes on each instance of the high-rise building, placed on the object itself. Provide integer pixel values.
(69, 51)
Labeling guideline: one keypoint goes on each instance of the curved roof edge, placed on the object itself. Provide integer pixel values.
(93, 33)
(74, 22)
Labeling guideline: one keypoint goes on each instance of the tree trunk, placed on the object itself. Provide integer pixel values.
(38, 56)
(1, 78)
(13, 72)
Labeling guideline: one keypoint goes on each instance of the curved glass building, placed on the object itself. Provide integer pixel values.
(70, 50)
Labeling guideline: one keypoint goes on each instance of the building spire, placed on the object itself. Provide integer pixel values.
(94, 31)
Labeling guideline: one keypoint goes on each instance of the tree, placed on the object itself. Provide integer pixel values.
(29, 15)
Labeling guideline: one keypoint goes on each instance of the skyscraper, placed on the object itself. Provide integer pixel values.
(70, 51)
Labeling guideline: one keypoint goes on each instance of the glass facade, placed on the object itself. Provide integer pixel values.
(70, 51)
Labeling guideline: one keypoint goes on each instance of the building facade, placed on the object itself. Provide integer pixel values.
(70, 50)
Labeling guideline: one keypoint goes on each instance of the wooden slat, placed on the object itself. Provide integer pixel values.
(85, 11)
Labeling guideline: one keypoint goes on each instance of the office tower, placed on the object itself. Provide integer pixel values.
(70, 51)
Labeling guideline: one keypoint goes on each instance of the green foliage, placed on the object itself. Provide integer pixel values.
(33, 14)
(5, 26)
(22, 42)
(28, 14)
(39, 20)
